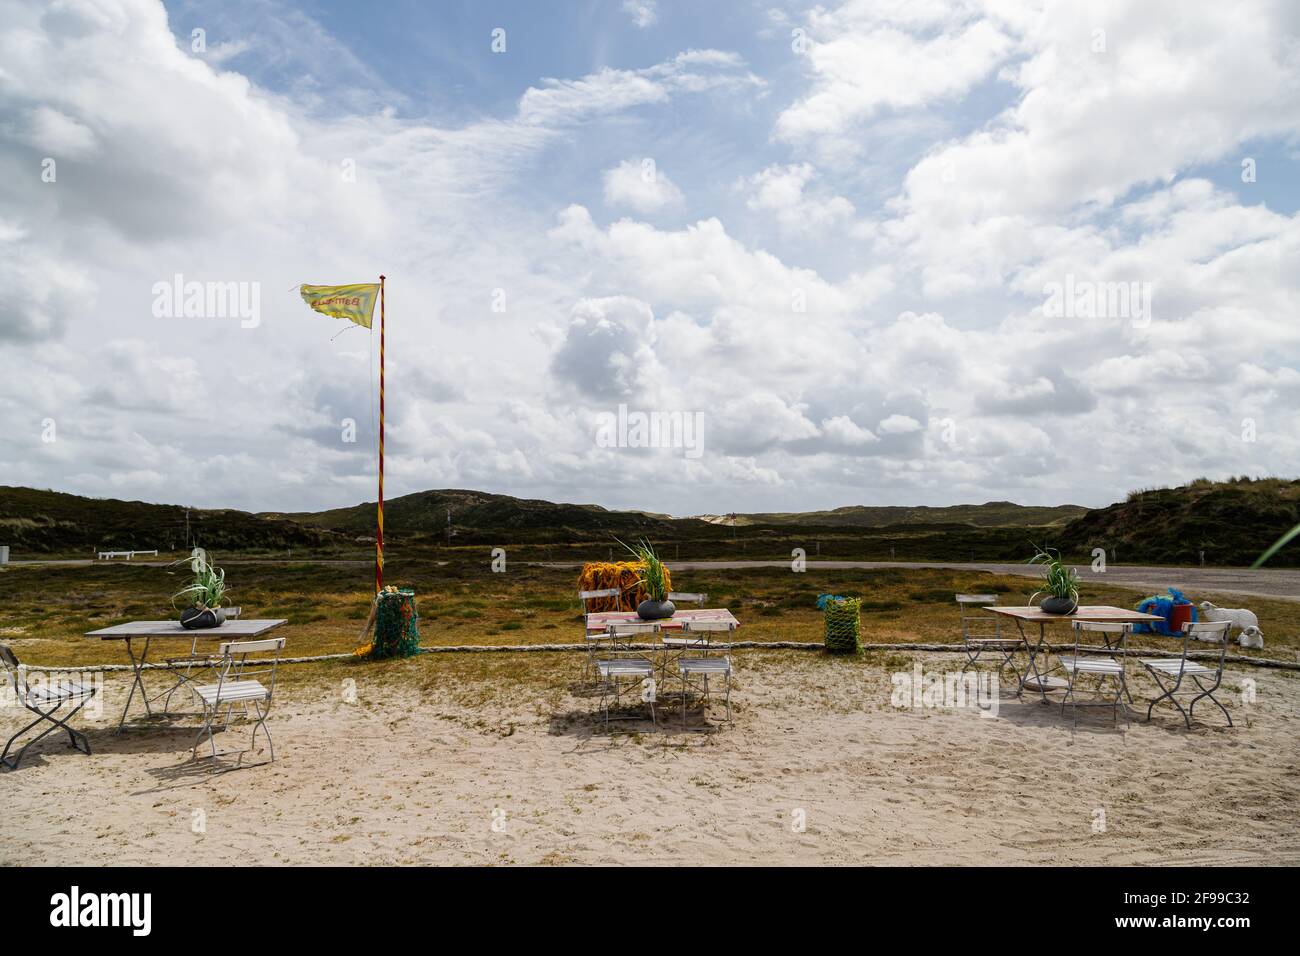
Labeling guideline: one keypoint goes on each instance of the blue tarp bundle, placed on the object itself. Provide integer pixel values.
(824, 599)
(1164, 607)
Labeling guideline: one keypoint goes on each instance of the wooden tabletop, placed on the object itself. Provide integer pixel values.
(241, 627)
(1090, 613)
(600, 620)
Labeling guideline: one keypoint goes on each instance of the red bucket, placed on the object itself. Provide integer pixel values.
(1180, 615)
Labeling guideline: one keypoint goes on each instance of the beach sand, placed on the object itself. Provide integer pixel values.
(818, 768)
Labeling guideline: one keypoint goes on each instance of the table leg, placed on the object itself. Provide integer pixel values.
(138, 681)
(1114, 646)
(1033, 650)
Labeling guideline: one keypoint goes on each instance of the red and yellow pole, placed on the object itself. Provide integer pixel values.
(379, 540)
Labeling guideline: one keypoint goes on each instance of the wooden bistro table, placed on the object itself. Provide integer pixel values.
(149, 631)
(600, 620)
(1044, 680)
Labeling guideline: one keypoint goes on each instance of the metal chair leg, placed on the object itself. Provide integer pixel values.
(261, 723)
(55, 724)
(12, 763)
(1210, 694)
(1169, 693)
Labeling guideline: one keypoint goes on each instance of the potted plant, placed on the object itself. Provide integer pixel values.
(1061, 583)
(653, 581)
(204, 595)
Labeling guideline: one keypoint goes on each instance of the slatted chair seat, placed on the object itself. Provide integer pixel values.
(235, 691)
(1172, 667)
(1084, 666)
(705, 665)
(625, 668)
(62, 691)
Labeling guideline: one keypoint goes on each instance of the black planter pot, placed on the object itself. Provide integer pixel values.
(1056, 605)
(193, 618)
(655, 610)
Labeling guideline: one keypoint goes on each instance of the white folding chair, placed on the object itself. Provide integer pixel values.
(234, 686)
(1169, 673)
(700, 658)
(688, 597)
(673, 645)
(624, 665)
(1104, 669)
(43, 700)
(982, 633)
(601, 637)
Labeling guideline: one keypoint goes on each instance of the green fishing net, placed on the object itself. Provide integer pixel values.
(397, 627)
(843, 625)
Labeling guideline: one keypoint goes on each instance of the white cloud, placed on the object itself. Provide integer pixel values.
(1088, 127)
(780, 191)
(865, 58)
(641, 185)
(644, 13)
(827, 371)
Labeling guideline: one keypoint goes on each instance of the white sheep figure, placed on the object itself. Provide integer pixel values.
(1240, 619)
(1251, 637)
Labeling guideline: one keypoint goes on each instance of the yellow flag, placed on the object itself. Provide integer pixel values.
(356, 303)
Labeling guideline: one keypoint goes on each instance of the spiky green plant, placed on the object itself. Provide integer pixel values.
(653, 579)
(208, 589)
(1059, 580)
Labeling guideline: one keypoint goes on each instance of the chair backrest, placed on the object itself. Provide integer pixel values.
(632, 629)
(1117, 636)
(1209, 631)
(706, 630)
(709, 625)
(974, 622)
(585, 596)
(234, 660)
(688, 597)
(13, 670)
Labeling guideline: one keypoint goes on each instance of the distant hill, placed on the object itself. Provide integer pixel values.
(992, 514)
(1233, 522)
(32, 520)
(477, 516)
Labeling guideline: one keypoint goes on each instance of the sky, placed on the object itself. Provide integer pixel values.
(846, 253)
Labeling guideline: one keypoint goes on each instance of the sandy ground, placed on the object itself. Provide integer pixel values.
(454, 776)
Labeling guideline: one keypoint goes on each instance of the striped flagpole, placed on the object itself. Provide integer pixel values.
(379, 540)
